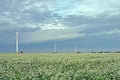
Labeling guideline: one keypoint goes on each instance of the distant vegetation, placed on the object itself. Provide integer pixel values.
(105, 52)
(60, 66)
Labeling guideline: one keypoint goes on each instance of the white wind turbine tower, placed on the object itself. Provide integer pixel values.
(55, 48)
(17, 36)
(76, 49)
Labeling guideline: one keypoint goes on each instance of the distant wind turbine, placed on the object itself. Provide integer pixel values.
(55, 49)
(76, 49)
(17, 36)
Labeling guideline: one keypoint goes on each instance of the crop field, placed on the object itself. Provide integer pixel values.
(49, 66)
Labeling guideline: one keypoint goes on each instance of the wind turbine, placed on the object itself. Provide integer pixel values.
(55, 49)
(17, 36)
(76, 49)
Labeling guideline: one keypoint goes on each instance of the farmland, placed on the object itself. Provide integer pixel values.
(84, 66)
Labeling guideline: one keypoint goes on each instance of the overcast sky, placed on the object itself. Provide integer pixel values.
(89, 24)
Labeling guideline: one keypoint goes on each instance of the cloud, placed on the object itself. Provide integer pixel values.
(6, 23)
(59, 19)
(52, 27)
(112, 32)
(115, 3)
(48, 34)
(65, 8)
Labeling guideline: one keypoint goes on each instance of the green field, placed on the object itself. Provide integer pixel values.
(51, 66)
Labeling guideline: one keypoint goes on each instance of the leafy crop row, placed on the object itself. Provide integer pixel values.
(60, 66)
